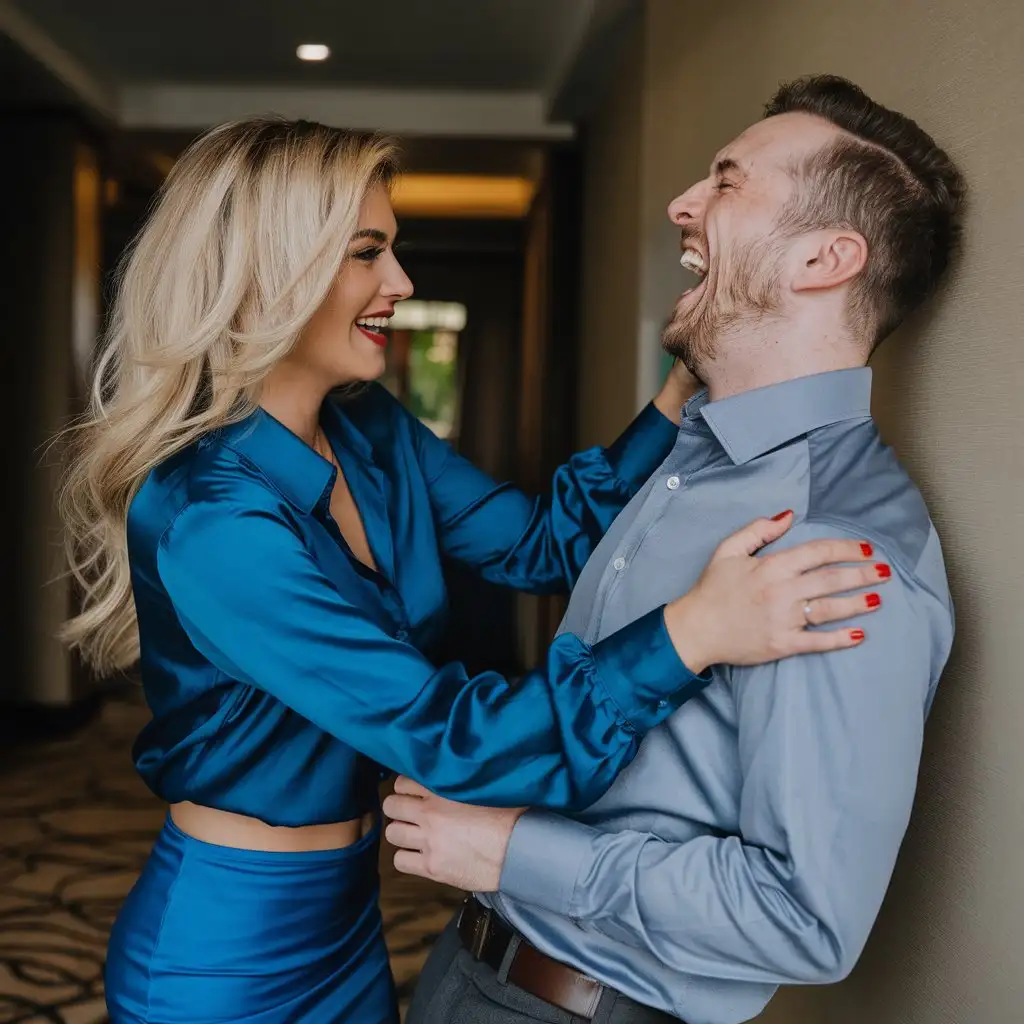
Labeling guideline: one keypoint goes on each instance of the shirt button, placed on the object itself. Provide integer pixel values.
(401, 636)
(619, 564)
(673, 483)
(662, 704)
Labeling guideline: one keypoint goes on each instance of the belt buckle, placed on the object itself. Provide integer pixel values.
(481, 928)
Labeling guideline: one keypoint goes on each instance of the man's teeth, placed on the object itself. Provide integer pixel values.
(693, 261)
(374, 323)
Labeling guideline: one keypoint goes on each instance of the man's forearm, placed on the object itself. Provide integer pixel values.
(830, 746)
(710, 907)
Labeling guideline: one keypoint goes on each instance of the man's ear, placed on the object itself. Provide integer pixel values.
(829, 259)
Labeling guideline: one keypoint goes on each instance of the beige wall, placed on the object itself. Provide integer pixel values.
(949, 946)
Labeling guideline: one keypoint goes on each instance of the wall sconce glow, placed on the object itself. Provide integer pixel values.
(461, 195)
(313, 51)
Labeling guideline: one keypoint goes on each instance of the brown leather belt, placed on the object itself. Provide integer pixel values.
(487, 938)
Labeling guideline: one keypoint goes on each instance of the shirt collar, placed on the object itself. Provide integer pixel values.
(301, 475)
(754, 422)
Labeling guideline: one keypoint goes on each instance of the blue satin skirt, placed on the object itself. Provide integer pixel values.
(211, 933)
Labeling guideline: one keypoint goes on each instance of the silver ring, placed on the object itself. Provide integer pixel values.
(807, 613)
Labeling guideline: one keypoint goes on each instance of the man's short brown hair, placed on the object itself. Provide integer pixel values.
(886, 179)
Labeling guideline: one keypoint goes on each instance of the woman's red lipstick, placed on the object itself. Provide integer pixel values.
(375, 332)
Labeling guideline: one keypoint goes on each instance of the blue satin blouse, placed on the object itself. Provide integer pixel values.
(282, 672)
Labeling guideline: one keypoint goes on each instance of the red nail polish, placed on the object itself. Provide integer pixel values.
(867, 549)
(872, 600)
(857, 635)
(884, 572)
(782, 515)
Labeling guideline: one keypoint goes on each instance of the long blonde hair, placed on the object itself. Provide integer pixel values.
(241, 248)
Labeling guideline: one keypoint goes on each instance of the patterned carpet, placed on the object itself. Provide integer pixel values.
(76, 826)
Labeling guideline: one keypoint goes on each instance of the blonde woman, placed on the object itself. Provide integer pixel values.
(273, 554)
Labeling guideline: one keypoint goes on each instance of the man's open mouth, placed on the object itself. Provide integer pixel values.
(693, 261)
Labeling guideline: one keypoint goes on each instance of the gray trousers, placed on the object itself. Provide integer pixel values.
(456, 989)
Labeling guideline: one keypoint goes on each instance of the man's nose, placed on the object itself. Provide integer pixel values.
(689, 206)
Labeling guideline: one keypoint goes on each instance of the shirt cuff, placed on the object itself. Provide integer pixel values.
(531, 874)
(638, 667)
(642, 447)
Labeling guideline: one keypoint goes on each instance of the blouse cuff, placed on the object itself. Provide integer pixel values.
(638, 667)
(642, 447)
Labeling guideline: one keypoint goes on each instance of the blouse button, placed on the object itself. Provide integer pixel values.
(619, 564)
(673, 483)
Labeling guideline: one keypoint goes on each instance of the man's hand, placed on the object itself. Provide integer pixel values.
(457, 844)
(679, 387)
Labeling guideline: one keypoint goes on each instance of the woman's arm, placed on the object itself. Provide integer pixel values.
(254, 602)
(679, 387)
(540, 544)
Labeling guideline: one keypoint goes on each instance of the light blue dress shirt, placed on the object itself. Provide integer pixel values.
(751, 841)
(281, 671)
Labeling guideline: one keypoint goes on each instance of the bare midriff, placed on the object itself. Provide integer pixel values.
(239, 831)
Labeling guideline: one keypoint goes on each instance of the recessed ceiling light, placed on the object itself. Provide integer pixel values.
(313, 51)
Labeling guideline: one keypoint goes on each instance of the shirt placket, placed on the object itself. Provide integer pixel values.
(670, 482)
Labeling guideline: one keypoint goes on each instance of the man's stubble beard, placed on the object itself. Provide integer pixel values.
(753, 293)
